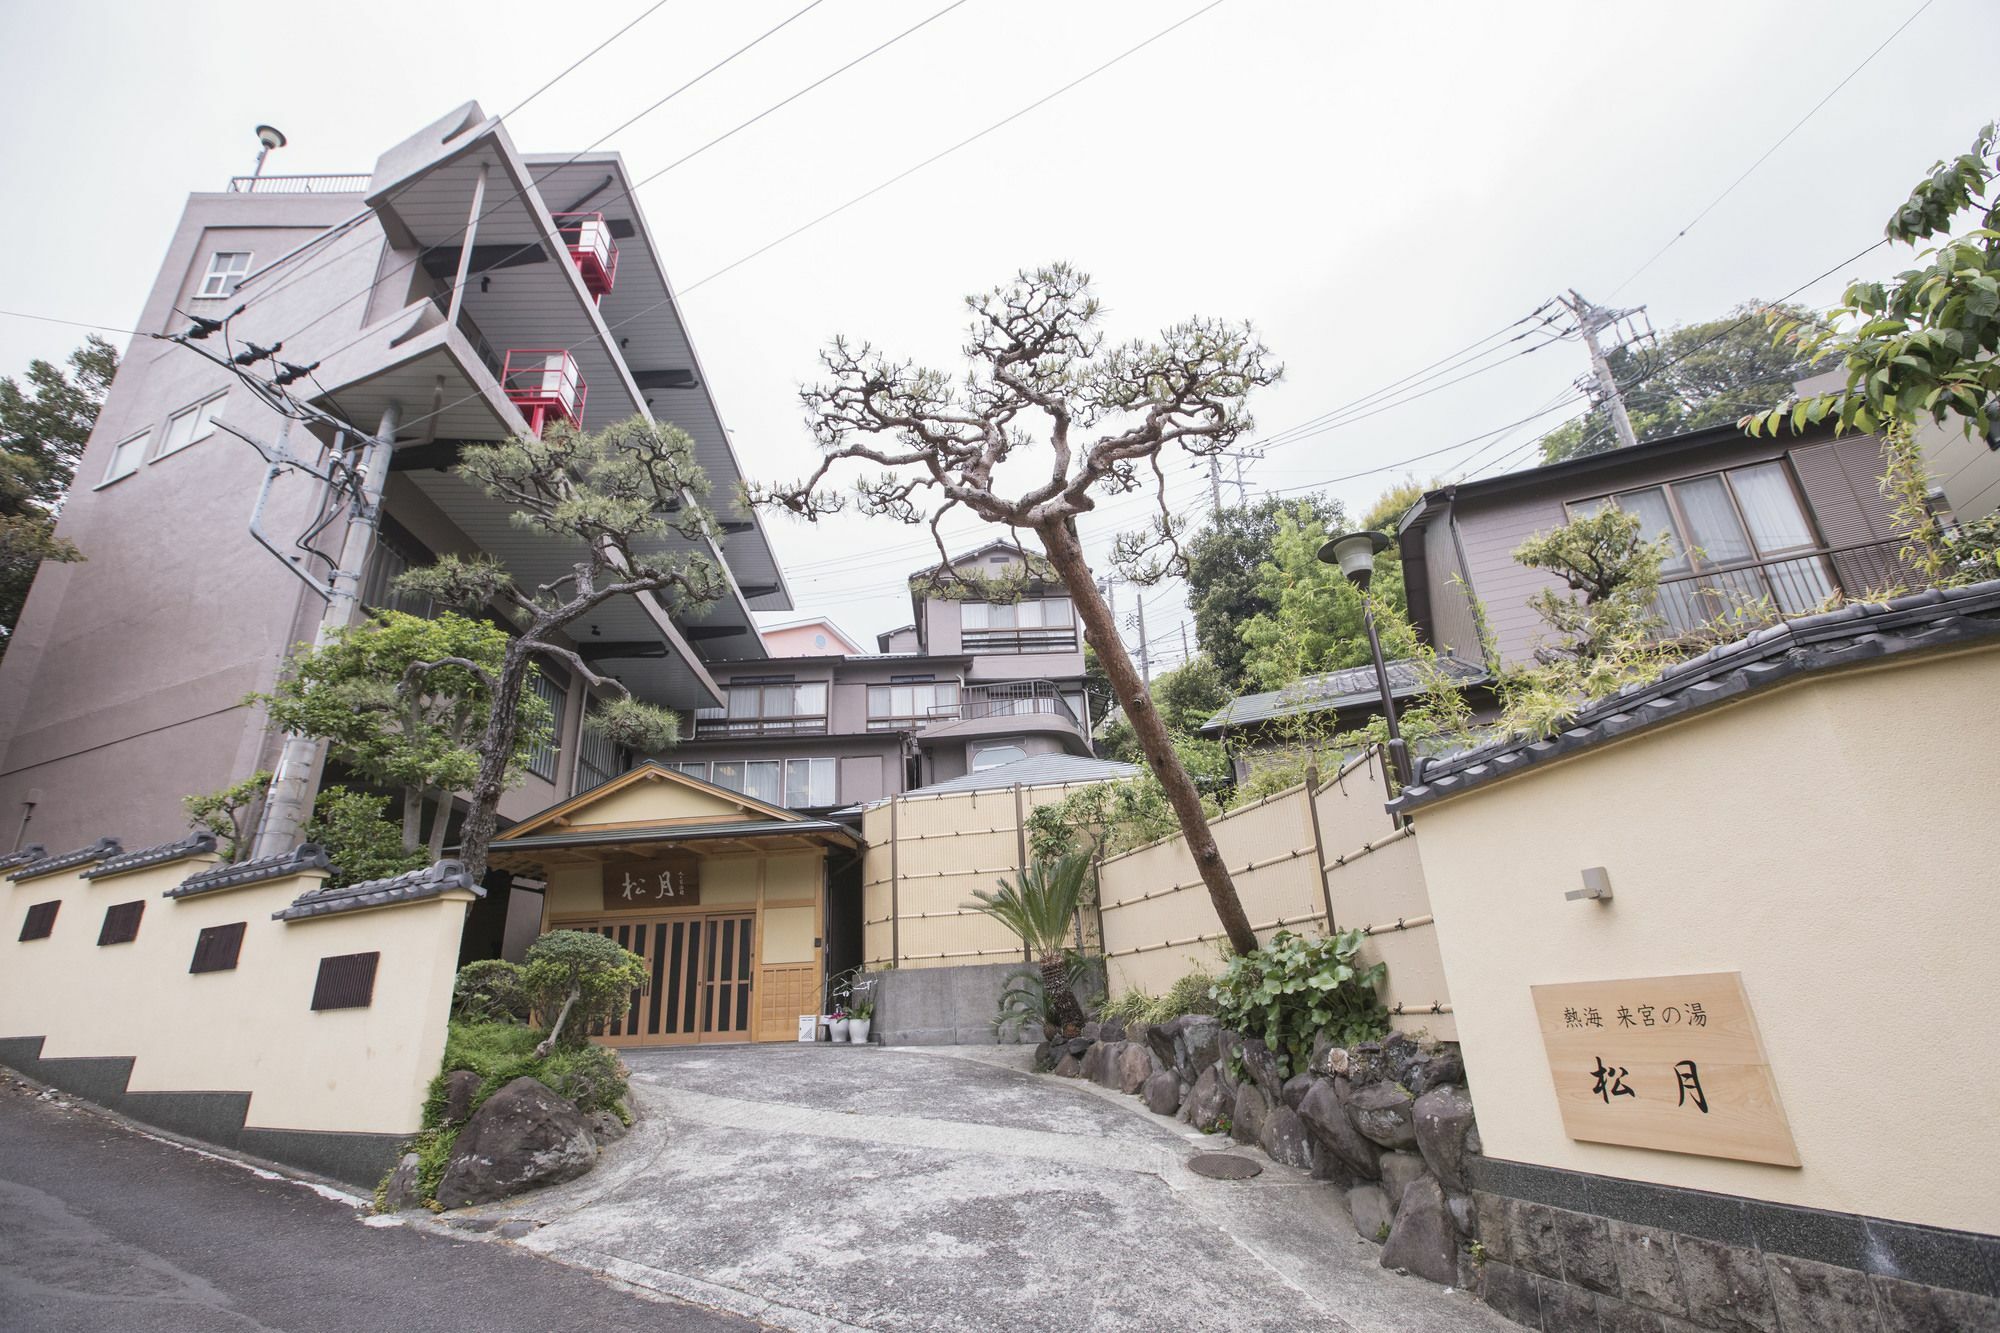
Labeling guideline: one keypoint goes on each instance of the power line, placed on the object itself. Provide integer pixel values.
(73, 323)
(1782, 140)
(572, 67)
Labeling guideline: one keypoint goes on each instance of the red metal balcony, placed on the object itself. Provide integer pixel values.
(543, 382)
(590, 246)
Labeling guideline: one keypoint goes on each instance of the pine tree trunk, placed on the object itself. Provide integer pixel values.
(1066, 554)
(495, 747)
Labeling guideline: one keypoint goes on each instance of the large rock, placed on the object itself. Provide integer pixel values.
(1070, 1066)
(1384, 1114)
(1045, 1059)
(523, 1138)
(1208, 1102)
(1423, 1240)
(1326, 1120)
(1133, 1066)
(1284, 1139)
(401, 1191)
(1400, 1051)
(1092, 1032)
(1077, 1046)
(1400, 1170)
(1163, 1092)
(460, 1087)
(1444, 1127)
(1327, 1058)
(1187, 1045)
(605, 1127)
(1094, 1061)
(1261, 1063)
(1296, 1088)
(1369, 1208)
(1246, 1117)
(1110, 1030)
(1439, 1067)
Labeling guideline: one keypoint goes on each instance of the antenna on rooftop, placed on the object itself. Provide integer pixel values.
(270, 137)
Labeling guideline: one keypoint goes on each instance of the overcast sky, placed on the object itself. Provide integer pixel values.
(1375, 186)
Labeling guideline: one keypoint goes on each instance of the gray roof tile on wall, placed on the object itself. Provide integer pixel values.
(1859, 633)
(437, 878)
(34, 851)
(306, 856)
(195, 844)
(82, 856)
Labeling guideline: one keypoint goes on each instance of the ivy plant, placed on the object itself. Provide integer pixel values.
(1299, 987)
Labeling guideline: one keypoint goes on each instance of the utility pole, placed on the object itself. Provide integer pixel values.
(286, 806)
(1592, 320)
(1145, 654)
(1185, 654)
(1215, 481)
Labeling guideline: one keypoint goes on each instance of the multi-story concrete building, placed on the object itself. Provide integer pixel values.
(465, 289)
(968, 685)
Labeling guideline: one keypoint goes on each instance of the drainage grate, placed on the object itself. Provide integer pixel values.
(1223, 1166)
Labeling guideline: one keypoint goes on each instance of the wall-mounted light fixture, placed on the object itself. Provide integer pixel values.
(1596, 886)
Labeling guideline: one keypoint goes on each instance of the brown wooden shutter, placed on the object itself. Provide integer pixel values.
(346, 981)
(121, 923)
(40, 922)
(216, 948)
(1843, 484)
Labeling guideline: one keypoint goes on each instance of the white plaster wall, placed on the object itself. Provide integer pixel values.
(1836, 842)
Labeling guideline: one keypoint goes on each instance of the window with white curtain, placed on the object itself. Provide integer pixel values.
(125, 456)
(810, 782)
(766, 707)
(904, 705)
(191, 424)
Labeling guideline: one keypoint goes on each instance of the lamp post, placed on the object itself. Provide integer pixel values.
(1355, 553)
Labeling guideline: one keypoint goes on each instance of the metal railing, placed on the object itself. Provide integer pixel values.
(707, 728)
(342, 183)
(1012, 698)
(1790, 585)
(1011, 639)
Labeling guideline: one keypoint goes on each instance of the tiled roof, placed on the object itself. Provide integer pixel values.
(437, 878)
(1863, 632)
(34, 851)
(82, 856)
(195, 844)
(1037, 770)
(306, 856)
(1349, 687)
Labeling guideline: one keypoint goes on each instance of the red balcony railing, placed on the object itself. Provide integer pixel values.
(588, 237)
(544, 382)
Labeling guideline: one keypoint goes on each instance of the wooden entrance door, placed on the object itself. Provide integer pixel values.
(699, 972)
(726, 972)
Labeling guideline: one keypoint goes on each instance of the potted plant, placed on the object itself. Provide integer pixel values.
(837, 1024)
(859, 1020)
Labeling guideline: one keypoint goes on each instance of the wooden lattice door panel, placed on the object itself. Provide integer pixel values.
(725, 1005)
(783, 993)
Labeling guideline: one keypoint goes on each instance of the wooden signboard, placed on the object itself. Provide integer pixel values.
(1672, 1063)
(670, 879)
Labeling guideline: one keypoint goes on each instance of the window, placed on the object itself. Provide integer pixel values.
(696, 769)
(346, 981)
(759, 707)
(41, 921)
(542, 759)
(908, 702)
(226, 268)
(992, 754)
(395, 551)
(811, 782)
(121, 923)
(598, 760)
(125, 457)
(1026, 626)
(217, 947)
(191, 424)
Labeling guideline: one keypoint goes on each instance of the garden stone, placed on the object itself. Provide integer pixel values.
(1111, 1030)
(1725, 1286)
(1044, 1057)
(1400, 1170)
(1400, 1052)
(1586, 1251)
(1327, 1058)
(1647, 1273)
(1820, 1296)
(1326, 1120)
(524, 1137)
(1207, 1102)
(1383, 1113)
(1136, 1032)
(1092, 1032)
(1912, 1307)
(1443, 1119)
(1295, 1089)
(1422, 1239)
(1134, 1066)
(1369, 1208)
(1200, 1042)
(1462, 1215)
(1567, 1309)
(460, 1087)
(1163, 1093)
(1068, 1067)
(1261, 1063)
(402, 1191)
(1077, 1047)
(1532, 1240)
(605, 1127)
(1094, 1060)
(1246, 1118)
(1284, 1138)
(1325, 1166)
(1364, 1063)
(1439, 1068)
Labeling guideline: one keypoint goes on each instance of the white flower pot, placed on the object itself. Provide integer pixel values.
(857, 1030)
(837, 1029)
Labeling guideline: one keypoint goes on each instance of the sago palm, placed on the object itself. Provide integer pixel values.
(1040, 906)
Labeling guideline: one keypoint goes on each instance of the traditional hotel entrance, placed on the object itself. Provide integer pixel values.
(725, 898)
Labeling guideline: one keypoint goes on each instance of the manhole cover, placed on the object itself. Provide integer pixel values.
(1223, 1166)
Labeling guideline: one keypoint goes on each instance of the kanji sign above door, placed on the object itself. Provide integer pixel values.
(1673, 1063)
(670, 879)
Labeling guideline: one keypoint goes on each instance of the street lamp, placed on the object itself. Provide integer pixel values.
(1355, 553)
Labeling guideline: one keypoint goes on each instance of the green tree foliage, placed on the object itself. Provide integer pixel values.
(489, 990)
(577, 980)
(359, 838)
(1927, 342)
(1224, 591)
(1706, 374)
(612, 497)
(226, 813)
(1187, 696)
(419, 736)
(1040, 906)
(1299, 987)
(44, 425)
(1315, 622)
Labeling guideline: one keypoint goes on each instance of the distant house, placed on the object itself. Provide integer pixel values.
(1259, 728)
(816, 637)
(1793, 520)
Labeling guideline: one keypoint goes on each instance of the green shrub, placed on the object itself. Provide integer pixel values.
(360, 839)
(584, 971)
(1131, 1007)
(1189, 995)
(489, 990)
(1298, 987)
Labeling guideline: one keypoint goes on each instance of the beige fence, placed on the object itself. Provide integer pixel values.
(1291, 859)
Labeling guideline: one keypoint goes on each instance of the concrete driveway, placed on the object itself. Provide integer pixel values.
(817, 1187)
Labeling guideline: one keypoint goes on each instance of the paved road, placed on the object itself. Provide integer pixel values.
(104, 1229)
